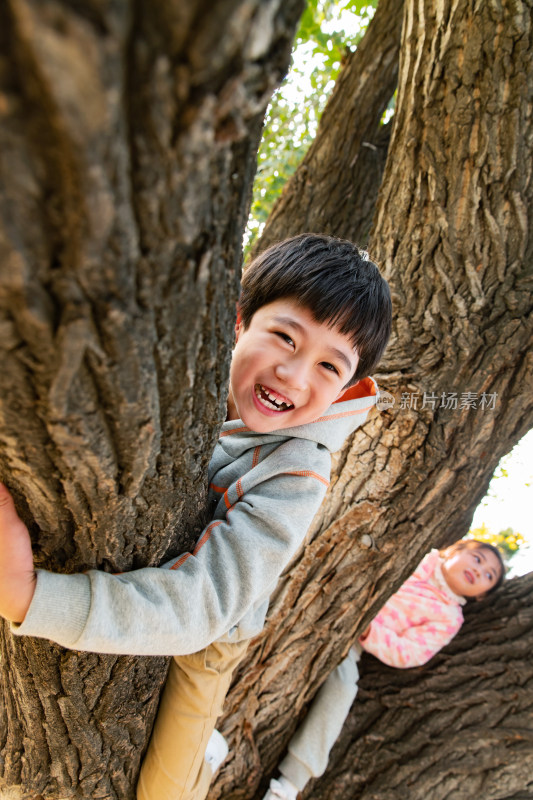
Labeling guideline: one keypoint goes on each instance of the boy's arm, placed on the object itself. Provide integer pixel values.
(198, 597)
(17, 575)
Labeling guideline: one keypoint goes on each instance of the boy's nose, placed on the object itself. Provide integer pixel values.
(293, 373)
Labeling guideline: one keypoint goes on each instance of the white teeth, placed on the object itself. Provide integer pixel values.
(262, 394)
(264, 401)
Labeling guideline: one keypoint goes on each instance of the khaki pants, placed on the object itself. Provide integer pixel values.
(192, 700)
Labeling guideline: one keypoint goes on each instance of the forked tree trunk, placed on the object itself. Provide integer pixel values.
(127, 148)
(451, 231)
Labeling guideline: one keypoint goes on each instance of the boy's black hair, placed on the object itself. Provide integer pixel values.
(335, 280)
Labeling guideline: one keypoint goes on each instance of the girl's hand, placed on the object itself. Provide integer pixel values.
(17, 576)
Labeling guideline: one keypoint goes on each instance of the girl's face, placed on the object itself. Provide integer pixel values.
(471, 571)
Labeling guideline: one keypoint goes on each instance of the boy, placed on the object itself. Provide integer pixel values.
(315, 319)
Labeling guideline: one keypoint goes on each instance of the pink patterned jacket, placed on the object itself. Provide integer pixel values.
(417, 621)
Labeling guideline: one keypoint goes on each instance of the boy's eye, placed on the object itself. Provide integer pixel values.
(285, 337)
(477, 558)
(330, 367)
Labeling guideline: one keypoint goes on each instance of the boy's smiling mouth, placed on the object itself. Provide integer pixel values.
(272, 400)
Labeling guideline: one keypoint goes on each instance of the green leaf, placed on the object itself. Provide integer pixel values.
(293, 115)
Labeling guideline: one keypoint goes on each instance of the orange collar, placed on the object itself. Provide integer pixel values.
(363, 388)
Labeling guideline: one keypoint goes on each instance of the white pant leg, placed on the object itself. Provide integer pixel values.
(310, 746)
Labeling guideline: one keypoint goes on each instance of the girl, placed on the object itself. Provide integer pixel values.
(414, 624)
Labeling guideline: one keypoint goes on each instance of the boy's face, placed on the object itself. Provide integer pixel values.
(286, 368)
(472, 571)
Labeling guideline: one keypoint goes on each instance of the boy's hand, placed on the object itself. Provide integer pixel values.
(17, 576)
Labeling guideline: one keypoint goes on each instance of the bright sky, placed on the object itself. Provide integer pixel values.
(509, 502)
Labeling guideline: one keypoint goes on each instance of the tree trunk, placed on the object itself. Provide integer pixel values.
(451, 231)
(128, 145)
(459, 727)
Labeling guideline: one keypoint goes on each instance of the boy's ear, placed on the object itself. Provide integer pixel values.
(238, 324)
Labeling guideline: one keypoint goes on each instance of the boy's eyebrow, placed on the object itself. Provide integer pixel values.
(300, 328)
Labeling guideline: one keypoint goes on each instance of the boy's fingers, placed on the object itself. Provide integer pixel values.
(7, 506)
(5, 497)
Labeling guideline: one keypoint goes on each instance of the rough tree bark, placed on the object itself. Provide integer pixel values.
(451, 231)
(127, 148)
(470, 708)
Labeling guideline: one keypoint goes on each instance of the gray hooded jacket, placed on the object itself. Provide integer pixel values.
(265, 490)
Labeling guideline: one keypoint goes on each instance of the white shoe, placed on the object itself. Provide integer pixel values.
(216, 751)
(281, 790)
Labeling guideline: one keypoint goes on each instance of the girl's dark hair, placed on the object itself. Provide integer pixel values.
(332, 278)
(465, 543)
